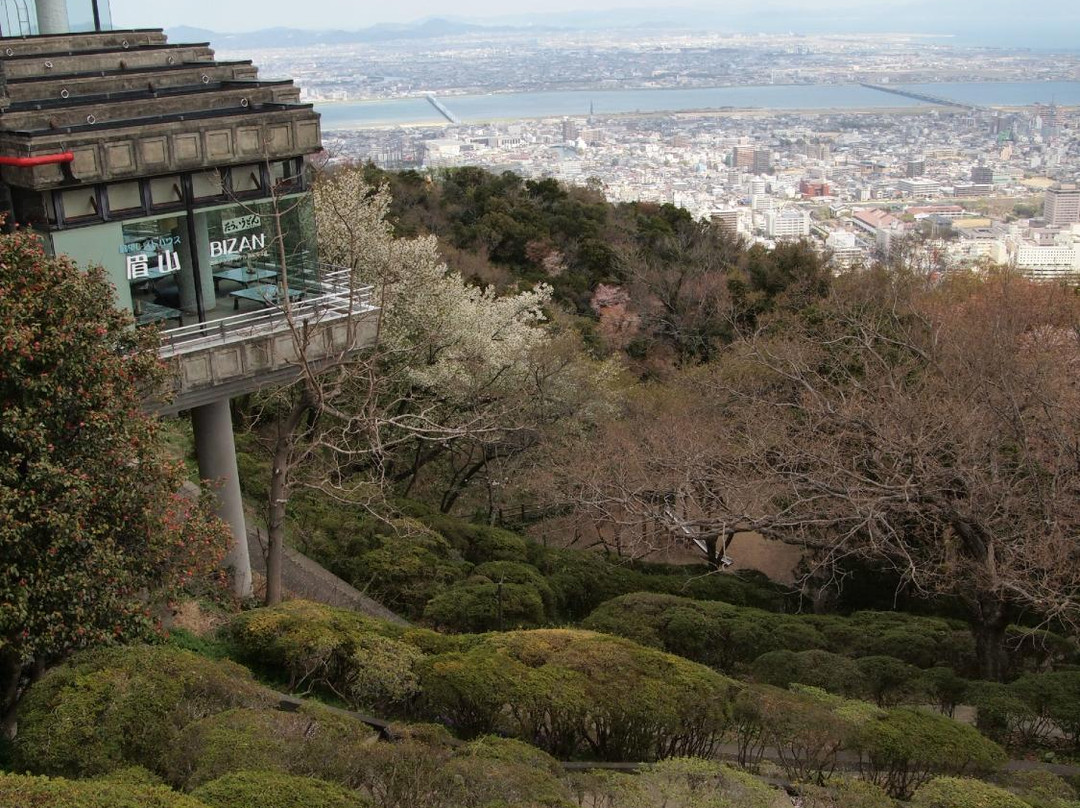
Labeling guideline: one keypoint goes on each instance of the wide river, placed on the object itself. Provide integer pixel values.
(508, 106)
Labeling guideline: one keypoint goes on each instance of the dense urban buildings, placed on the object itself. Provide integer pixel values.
(802, 130)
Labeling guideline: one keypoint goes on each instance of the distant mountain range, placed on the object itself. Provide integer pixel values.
(989, 22)
(285, 37)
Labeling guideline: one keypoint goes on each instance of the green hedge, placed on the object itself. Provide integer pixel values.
(19, 791)
(409, 566)
(409, 561)
(831, 672)
(1041, 789)
(805, 729)
(268, 789)
(898, 749)
(729, 638)
(691, 782)
(501, 771)
(105, 710)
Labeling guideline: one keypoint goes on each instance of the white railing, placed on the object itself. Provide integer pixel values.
(334, 300)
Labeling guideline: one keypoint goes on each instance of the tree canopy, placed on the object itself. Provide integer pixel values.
(94, 526)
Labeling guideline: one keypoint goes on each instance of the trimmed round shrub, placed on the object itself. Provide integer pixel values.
(1003, 715)
(776, 668)
(407, 569)
(312, 741)
(476, 543)
(266, 789)
(907, 746)
(109, 709)
(954, 792)
(567, 691)
(720, 635)
(807, 728)
(1041, 789)
(408, 774)
(19, 791)
(844, 792)
(468, 690)
(695, 782)
(830, 672)
(336, 651)
(945, 688)
(1054, 700)
(889, 681)
(501, 771)
(480, 604)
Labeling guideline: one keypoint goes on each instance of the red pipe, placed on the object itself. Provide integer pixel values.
(40, 160)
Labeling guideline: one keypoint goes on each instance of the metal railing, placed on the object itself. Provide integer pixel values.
(334, 299)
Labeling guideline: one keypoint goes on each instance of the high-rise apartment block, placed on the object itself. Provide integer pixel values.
(1061, 205)
(787, 223)
(727, 220)
(743, 156)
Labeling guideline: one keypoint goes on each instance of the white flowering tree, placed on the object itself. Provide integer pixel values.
(461, 380)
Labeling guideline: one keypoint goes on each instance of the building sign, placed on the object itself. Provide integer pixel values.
(230, 226)
(235, 246)
(150, 245)
(139, 266)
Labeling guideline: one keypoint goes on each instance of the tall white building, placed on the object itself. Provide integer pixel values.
(1048, 261)
(1061, 205)
(787, 223)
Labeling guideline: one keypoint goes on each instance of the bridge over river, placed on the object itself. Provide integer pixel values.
(930, 99)
(435, 102)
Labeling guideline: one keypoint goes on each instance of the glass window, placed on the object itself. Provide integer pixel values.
(245, 235)
(81, 14)
(124, 196)
(153, 262)
(246, 178)
(166, 191)
(206, 184)
(79, 204)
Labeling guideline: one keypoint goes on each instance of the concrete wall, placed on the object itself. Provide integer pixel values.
(243, 363)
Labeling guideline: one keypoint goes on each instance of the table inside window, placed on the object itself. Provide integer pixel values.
(268, 294)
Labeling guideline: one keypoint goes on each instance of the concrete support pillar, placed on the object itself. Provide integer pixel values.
(216, 453)
(188, 253)
(52, 17)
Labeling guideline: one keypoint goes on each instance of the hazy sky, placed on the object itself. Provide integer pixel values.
(989, 21)
(249, 15)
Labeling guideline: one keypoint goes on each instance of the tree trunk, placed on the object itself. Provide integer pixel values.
(10, 676)
(711, 557)
(988, 625)
(280, 486)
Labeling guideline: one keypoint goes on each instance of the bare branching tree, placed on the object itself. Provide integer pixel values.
(935, 429)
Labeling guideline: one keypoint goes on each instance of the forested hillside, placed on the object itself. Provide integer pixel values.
(563, 391)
